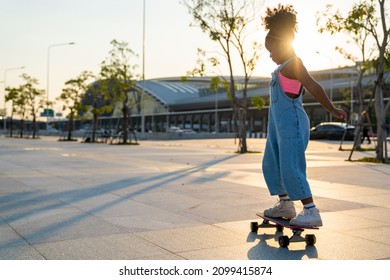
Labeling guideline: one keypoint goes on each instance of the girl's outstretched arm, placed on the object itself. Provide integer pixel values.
(296, 70)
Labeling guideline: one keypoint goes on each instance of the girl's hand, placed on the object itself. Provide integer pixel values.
(339, 113)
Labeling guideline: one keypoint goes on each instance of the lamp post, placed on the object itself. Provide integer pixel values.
(352, 97)
(216, 125)
(143, 71)
(48, 72)
(331, 79)
(5, 85)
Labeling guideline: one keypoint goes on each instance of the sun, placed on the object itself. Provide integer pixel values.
(313, 51)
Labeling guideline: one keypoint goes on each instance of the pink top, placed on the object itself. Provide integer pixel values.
(289, 85)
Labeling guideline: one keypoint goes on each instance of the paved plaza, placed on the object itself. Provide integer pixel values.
(173, 200)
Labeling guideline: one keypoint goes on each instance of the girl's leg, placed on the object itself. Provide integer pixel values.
(293, 169)
(271, 171)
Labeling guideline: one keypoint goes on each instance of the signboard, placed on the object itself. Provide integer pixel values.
(47, 113)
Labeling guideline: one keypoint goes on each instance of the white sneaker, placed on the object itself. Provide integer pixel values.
(308, 218)
(282, 209)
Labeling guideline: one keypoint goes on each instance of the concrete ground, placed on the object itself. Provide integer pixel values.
(187, 199)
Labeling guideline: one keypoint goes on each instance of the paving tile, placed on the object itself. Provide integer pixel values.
(376, 234)
(110, 247)
(9, 237)
(379, 214)
(26, 252)
(339, 222)
(187, 238)
(152, 221)
(220, 253)
(59, 224)
(344, 246)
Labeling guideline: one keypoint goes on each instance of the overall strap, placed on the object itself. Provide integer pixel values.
(285, 63)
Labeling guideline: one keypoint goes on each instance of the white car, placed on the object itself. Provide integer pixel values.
(175, 129)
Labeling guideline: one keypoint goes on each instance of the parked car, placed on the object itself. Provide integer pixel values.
(175, 129)
(189, 131)
(332, 131)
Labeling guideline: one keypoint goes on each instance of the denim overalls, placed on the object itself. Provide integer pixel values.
(284, 163)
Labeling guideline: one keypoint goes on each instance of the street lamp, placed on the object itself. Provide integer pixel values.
(48, 72)
(352, 97)
(216, 125)
(5, 85)
(143, 71)
(331, 79)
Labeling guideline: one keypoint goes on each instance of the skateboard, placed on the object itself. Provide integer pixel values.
(280, 224)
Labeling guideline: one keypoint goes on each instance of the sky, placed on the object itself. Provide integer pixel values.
(30, 28)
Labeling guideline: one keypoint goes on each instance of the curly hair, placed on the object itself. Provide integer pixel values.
(281, 22)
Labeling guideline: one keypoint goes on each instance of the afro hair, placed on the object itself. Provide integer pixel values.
(281, 21)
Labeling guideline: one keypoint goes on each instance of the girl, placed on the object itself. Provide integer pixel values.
(284, 163)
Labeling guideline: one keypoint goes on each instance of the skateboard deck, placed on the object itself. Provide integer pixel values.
(280, 224)
(284, 222)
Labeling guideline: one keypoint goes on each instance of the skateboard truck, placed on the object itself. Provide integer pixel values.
(309, 239)
(280, 224)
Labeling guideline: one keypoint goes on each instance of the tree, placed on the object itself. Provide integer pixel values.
(34, 99)
(382, 45)
(71, 98)
(97, 103)
(227, 22)
(258, 102)
(26, 99)
(336, 23)
(20, 105)
(11, 96)
(364, 18)
(120, 72)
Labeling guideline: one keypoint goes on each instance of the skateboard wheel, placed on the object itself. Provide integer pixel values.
(284, 241)
(254, 226)
(310, 239)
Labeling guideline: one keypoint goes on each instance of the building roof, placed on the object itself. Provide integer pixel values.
(194, 93)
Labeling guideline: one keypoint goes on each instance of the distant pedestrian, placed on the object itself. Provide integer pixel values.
(284, 163)
(366, 127)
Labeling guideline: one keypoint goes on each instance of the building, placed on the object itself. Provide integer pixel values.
(190, 104)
